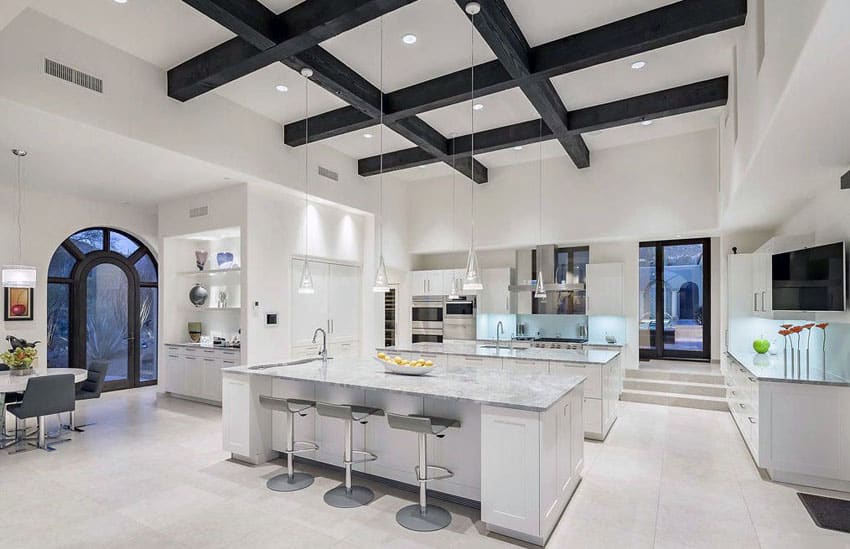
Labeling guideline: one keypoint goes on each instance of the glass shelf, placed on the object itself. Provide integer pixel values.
(209, 273)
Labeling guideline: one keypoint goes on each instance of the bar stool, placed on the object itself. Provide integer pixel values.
(346, 495)
(290, 481)
(423, 517)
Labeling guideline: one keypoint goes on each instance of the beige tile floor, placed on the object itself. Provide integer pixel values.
(152, 474)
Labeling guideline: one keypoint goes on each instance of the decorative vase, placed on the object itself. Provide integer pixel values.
(198, 295)
(201, 258)
(224, 260)
(195, 330)
(20, 371)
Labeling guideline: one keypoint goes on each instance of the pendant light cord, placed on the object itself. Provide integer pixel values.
(540, 183)
(381, 145)
(20, 207)
(306, 164)
(472, 122)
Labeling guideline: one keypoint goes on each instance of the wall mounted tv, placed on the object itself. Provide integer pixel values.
(811, 279)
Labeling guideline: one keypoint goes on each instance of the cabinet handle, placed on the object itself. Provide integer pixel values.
(753, 421)
(190, 358)
(508, 303)
(763, 306)
(332, 325)
(471, 359)
(752, 379)
(209, 360)
(755, 302)
(741, 404)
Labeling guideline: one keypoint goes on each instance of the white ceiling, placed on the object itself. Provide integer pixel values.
(168, 32)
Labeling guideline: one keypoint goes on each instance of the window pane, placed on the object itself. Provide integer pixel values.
(88, 241)
(61, 263)
(146, 269)
(107, 330)
(647, 287)
(683, 297)
(119, 243)
(58, 325)
(148, 322)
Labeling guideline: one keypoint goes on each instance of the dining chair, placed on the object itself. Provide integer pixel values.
(44, 396)
(89, 389)
(9, 398)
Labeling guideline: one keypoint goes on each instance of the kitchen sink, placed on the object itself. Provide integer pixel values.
(290, 363)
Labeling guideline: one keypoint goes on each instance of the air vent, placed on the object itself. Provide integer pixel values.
(200, 211)
(73, 76)
(330, 174)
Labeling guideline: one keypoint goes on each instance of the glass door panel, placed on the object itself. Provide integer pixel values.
(647, 299)
(108, 338)
(683, 297)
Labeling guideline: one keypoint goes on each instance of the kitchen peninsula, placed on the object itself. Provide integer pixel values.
(602, 370)
(518, 450)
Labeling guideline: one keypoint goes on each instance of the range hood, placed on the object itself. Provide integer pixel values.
(553, 281)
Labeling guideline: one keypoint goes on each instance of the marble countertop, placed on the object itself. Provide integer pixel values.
(199, 346)
(773, 368)
(531, 391)
(472, 348)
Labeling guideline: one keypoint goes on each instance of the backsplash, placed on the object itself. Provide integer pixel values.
(600, 326)
(560, 326)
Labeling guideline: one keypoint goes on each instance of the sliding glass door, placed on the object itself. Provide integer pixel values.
(675, 299)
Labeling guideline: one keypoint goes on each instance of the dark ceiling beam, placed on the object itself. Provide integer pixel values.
(667, 25)
(497, 26)
(264, 38)
(335, 76)
(682, 99)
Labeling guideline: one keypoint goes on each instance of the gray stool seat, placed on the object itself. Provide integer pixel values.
(423, 517)
(347, 495)
(290, 481)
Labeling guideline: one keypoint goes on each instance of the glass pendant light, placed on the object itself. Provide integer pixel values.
(382, 284)
(540, 289)
(19, 276)
(305, 286)
(454, 292)
(472, 280)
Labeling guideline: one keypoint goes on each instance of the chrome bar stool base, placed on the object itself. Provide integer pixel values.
(285, 483)
(434, 518)
(347, 498)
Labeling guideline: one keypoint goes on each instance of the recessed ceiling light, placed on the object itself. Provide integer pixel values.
(120, 1)
(478, 106)
(646, 123)
(421, 167)
(281, 88)
(637, 65)
(518, 148)
(409, 39)
(368, 135)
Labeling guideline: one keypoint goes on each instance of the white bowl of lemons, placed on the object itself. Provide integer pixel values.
(399, 365)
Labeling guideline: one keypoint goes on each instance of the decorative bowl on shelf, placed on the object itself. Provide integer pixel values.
(224, 260)
(198, 295)
(405, 367)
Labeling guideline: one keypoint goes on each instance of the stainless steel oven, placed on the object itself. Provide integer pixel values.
(427, 319)
(459, 322)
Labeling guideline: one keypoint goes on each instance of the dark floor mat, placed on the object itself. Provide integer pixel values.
(829, 513)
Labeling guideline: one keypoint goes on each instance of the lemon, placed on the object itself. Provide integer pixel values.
(429, 363)
(382, 356)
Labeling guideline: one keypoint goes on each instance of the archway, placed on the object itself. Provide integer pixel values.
(102, 294)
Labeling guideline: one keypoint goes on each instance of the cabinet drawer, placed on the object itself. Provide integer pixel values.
(527, 366)
(592, 373)
(473, 362)
(592, 414)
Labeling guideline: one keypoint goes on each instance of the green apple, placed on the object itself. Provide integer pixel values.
(761, 345)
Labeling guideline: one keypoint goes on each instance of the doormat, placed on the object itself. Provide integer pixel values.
(829, 513)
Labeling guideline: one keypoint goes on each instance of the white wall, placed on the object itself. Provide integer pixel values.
(648, 190)
(48, 219)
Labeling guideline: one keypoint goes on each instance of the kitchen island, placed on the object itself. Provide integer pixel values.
(518, 451)
(601, 368)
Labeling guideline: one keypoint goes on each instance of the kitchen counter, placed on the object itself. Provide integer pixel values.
(475, 349)
(530, 391)
(190, 345)
(772, 368)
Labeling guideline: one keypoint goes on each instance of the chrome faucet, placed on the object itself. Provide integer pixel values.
(324, 352)
(500, 329)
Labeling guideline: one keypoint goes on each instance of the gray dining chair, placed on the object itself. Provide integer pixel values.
(45, 396)
(9, 398)
(89, 389)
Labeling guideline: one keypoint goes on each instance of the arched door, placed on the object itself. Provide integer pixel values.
(102, 306)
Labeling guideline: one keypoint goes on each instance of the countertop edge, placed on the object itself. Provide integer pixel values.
(749, 370)
(487, 355)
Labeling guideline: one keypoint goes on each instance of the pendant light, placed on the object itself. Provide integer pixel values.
(19, 276)
(382, 284)
(305, 286)
(454, 292)
(539, 289)
(472, 280)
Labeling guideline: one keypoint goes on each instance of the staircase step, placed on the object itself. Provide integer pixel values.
(676, 399)
(676, 387)
(666, 375)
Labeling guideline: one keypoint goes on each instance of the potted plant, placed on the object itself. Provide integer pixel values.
(19, 360)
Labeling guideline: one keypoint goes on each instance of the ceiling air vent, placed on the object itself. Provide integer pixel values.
(200, 211)
(330, 174)
(72, 75)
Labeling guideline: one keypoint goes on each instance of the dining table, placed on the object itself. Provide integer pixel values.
(18, 384)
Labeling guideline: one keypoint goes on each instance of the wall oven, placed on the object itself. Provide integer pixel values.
(427, 319)
(459, 321)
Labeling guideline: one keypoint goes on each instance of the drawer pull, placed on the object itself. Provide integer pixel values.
(752, 420)
(741, 404)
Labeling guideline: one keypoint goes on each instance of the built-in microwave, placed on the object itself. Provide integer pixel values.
(459, 321)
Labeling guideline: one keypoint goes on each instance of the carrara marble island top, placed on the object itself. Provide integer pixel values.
(534, 392)
(472, 348)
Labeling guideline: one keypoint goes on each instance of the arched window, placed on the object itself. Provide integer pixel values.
(102, 306)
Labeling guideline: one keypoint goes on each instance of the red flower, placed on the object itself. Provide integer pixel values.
(784, 332)
(809, 326)
(796, 329)
(822, 325)
(786, 326)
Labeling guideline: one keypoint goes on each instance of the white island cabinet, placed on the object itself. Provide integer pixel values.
(194, 372)
(518, 451)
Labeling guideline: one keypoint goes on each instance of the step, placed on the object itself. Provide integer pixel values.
(666, 375)
(678, 387)
(675, 399)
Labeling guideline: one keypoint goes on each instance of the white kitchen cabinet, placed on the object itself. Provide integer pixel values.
(525, 366)
(456, 361)
(604, 285)
(246, 426)
(762, 285)
(430, 282)
(601, 393)
(175, 373)
(495, 298)
(195, 372)
(334, 307)
(194, 376)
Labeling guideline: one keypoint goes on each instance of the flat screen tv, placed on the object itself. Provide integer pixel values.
(811, 279)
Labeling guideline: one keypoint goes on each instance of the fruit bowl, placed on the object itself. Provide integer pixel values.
(404, 369)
